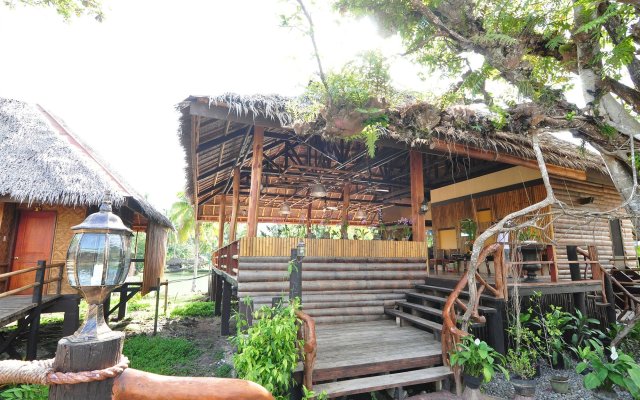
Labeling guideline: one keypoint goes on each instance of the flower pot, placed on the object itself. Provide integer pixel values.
(605, 394)
(472, 382)
(531, 252)
(524, 388)
(560, 383)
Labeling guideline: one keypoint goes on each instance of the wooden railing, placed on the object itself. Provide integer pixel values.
(451, 334)
(225, 258)
(308, 333)
(40, 280)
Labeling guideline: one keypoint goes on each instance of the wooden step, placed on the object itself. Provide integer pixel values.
(449, 290)
(429, 310)
(381, 382)
(435, 327)
(442, 300)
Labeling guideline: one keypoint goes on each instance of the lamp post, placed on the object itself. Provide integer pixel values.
(97, 262)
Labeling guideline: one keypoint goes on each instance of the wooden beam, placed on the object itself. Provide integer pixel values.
(221, 218)
(224, 113)
(417, 195)
(195, 137)
(346, 198)
(256, 178)
(309, 209)
(219, 140)
(490, 155)
(235, 203)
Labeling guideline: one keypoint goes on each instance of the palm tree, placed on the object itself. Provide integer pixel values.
(183, 218)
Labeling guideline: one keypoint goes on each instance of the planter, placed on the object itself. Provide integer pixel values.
(472, 382)
(531, 256)
(605, 394)
(560, 383)
(524, 388)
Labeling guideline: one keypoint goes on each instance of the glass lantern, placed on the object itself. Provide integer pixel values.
(98, 261)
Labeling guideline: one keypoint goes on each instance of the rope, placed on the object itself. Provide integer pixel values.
(40, 372)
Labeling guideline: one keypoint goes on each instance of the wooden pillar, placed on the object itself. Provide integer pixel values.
(217, 293)
(221, 217)
(574, 268)
(417, 195)
(553, 267)
(309, 209)
(256, 178)
(235, 204)
(346, 201)
(225, 318)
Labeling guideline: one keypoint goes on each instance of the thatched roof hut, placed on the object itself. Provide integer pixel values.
(44, 162)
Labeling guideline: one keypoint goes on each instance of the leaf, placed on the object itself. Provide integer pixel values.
(591, 381)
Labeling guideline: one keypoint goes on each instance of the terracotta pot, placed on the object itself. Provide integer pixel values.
(524, 388)
(472, 382)
(560, 383)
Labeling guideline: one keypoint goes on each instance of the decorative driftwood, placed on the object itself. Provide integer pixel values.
(310, 347)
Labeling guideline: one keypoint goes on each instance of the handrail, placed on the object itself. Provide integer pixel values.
(35, 284)
(310, 347)
(225, 258)
(451, 334)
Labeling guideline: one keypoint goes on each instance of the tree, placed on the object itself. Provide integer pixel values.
(66, 8)
(183, 217)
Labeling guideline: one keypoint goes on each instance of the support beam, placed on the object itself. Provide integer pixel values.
(235, 204)
(309, 208)
(417, 195)
(346, 199)
(489, 155)
(256, 178)
(221, 218)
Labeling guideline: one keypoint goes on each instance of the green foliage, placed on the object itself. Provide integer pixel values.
(551, 326)
(469, 227)
(66, 8)
(311, 395)
(159, 355)
(26, 392)
(529, 233)
(605, 372)
(223, 371)
(195, 309)
(268, 351)
(523, 354)
(137, 303)
(522, 363)
(284, 231)
(584, 330)
(478, 359)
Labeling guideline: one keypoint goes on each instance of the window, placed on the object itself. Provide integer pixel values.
(448, 239)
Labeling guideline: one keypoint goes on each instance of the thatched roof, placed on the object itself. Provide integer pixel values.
(417, 125)
(42, 161)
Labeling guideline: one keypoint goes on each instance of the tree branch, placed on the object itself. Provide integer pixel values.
(629, 95)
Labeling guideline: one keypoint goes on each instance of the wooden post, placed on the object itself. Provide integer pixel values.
(256, 178)
(309, 214)
(574, 268)
(226, 308)
(417, 195)
(553, 267)
(166, 295)
(218, 295)
(346, 201)
(86, 356)
(221, 218)
(235, 203)
(122, 305)
(155, 319)
(34, 326)
(295, 278)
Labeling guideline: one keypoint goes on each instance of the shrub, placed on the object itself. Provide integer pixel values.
(159, 355)
(26, 392)
(478, 359)
(197, 309)
(268, 353)
(617, 369)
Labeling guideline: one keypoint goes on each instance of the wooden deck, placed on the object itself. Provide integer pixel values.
(15, 307)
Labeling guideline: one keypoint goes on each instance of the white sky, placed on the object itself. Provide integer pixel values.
(116, 83)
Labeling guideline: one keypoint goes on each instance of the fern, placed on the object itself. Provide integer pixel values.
(596, 23)
(496, 38)
(370, 136)
(556, 41)
(623, 53)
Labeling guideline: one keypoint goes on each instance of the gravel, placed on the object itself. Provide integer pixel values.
(502, 388)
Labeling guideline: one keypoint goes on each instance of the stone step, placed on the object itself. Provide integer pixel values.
(381, 382)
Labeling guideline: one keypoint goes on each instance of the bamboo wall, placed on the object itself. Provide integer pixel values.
(281, 247)
(7, 220)
(582, 231)
(449, 214)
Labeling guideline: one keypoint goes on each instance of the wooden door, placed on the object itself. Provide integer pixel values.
(34, 241)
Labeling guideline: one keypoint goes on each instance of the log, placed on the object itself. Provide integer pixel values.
(252, 276)
(86, 356)
(331, 285)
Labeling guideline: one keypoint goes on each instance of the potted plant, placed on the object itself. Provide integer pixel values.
(469, 229)
(606, 372)
(404, 228)
(522, 364)
(478, 360)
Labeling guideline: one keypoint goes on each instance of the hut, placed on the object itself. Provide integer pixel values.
(51, 181)
(432, 173)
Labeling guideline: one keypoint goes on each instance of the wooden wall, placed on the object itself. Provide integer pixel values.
(7, 221)
(582, 232)
(448, 214)
(281, 247)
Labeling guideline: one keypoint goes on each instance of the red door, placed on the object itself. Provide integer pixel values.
(34, 242)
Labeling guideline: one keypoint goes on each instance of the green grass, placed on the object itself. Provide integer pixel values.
(25, 392)
(137, 303)
(196, 309)
(223, 371)
(165, 356)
